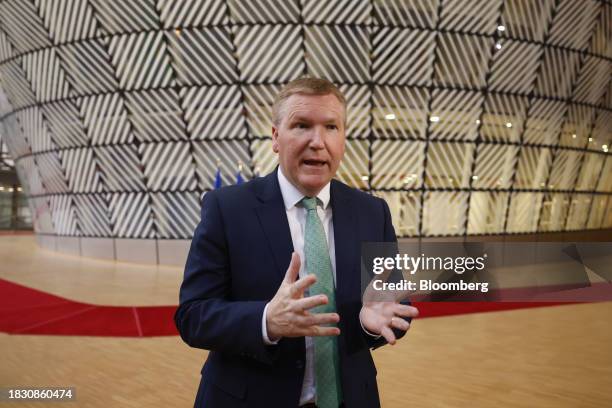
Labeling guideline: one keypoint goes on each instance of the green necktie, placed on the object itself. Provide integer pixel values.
(316, 252)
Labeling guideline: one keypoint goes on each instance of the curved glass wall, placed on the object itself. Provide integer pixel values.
(467, 116)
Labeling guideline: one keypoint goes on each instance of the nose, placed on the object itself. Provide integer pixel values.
(318, 137)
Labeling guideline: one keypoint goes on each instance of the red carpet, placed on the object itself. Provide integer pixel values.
(29, 311)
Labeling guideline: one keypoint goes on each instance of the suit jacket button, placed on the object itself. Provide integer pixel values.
(299, 364)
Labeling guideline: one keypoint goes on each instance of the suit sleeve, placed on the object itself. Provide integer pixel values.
(207, 318)
(389, 236)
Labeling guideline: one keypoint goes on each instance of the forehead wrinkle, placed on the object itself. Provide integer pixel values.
(297, 116)
(306, 114)
(298, 103)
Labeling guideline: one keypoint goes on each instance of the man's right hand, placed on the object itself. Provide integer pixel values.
(287, 313)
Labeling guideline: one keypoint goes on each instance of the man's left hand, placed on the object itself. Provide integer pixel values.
(382, 317)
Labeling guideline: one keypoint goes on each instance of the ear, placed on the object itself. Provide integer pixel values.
(274, 139)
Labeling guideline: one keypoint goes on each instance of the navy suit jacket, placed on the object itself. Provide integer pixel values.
(239, 254)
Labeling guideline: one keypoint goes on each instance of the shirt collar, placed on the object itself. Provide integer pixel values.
(292, 196)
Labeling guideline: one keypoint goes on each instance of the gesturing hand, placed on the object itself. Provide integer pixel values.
(382, 317)
(287, 313)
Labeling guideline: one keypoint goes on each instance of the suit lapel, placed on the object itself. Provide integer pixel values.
(273, 220)
(345, 240)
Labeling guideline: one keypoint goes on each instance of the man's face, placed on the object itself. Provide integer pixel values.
(309, 140)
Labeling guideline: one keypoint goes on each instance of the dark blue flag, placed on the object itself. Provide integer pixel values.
(218, 181)
(239, 178)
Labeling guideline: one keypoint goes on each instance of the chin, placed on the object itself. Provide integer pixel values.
(312, 183)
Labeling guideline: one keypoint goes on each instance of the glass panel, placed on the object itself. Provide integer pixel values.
(494, 166)
(503, 118)
(565, 170)
(397, 164)
(444, 213)
(524, 212)
(400, 112)
(455, 114)
(554, 212)
(354, 167)
(176, 214)
(462, 60)
(412, 13)
(168, 166)
(487, 212)
(449, 165)
(578, 212)
(404, 207)
(214, 112)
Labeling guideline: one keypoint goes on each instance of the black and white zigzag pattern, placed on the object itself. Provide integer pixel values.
(121, 167)
(168, 166)
(176, 214)
(93, 215)
(106, 120)
(67, 20)
(467, 116)
(131, 215)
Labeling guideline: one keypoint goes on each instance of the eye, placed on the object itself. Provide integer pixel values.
(332, 127)
(301, 125)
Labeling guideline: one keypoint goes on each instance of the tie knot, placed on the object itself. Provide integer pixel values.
(310, 203)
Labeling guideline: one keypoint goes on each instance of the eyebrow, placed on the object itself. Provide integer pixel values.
(305, 119)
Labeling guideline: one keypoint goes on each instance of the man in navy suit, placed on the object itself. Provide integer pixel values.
(272, 281)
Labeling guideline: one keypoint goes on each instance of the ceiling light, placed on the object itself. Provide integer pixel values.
(508, 124)
(18, 188)
(590, 139)
(574, 136)
(498, 46)
(434, 119)
(390, 116)
(365, 178)
(501, 28)
(478, 121)
(474, 177)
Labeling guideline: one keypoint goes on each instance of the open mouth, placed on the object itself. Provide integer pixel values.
(314, 162)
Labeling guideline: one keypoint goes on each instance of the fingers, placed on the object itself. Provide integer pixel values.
(316, 319)
(309, 302)
(387, 333)
(298, 287)
(399, 323)
(405, 310)
(294, 268)
(316, 331)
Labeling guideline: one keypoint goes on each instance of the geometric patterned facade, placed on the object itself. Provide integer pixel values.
(467, 116)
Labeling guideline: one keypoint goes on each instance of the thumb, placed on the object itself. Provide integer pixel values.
(294, 268)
